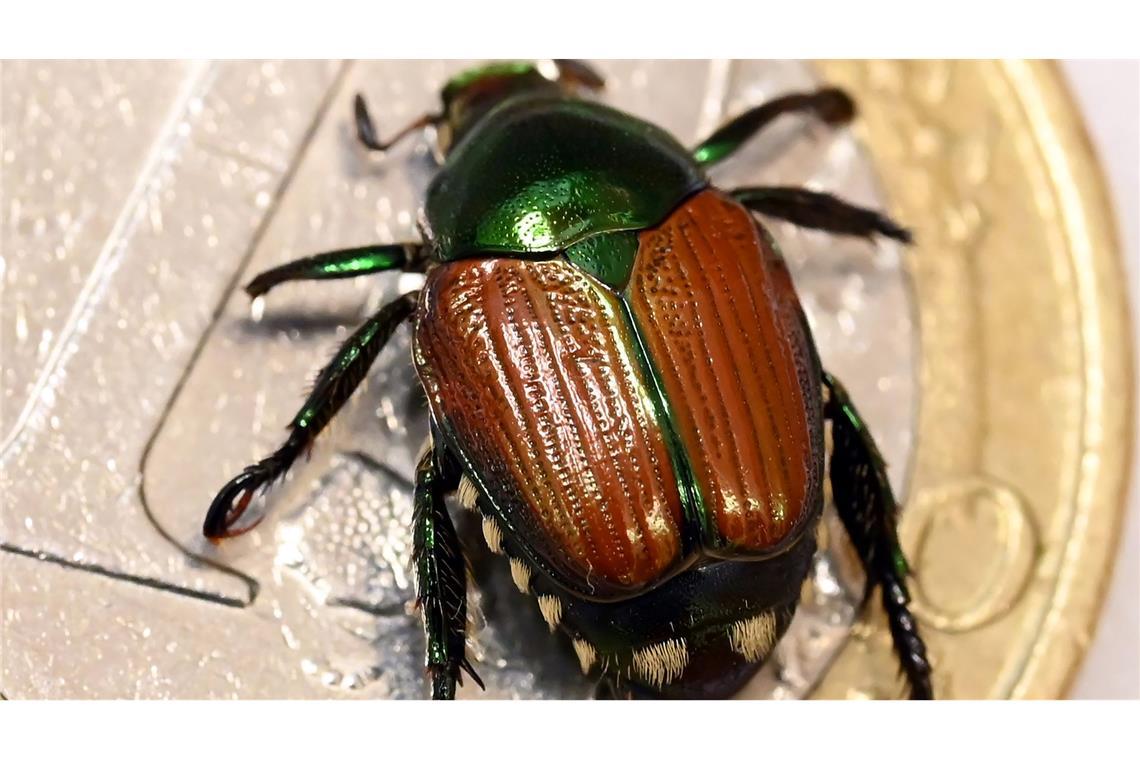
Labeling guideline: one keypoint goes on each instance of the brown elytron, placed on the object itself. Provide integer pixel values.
(715, 306)
(532, 367)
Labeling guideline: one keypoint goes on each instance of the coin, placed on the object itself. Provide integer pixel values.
(137, 380)
(1024, 430)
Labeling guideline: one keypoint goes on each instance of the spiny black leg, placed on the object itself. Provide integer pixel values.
(333, 386)
(867, 507)
(833, 106)
(441, 576)
(366, 128)
(349, 262)
(819, 211)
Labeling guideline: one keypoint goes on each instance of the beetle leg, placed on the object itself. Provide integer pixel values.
(579, 73)
(441, 577)
(867, 507)
(333, 387)
(366, 128)
(335, 265)
(831, 105)
(819, 211)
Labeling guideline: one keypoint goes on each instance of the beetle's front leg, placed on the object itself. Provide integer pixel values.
(441, 575)
(333, 387)
(867, 507)
(366, 128)
(831, 105)
(335, 265)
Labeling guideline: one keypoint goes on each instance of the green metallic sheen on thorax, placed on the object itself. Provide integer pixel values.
(497, 69)
(608, 257)
(541, 172)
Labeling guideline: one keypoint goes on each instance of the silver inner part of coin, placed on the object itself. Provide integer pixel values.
(137, 379)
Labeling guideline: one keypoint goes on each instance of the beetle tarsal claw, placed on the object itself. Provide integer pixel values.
(551, 609)
(231, 503)
(493, 535)
(586, 654)
(753, 638)
(467, 493)
(660, 663)
(520, 574)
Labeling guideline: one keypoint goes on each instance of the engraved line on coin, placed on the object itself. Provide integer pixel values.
(140, 580)
(134, 210)
(200, 79)
(322, 112)
(234, 154)
(1010, 568)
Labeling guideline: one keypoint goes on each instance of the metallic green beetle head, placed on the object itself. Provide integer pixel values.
(470, 95)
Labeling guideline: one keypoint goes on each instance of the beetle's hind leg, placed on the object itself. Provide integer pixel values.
(441, 574)
(348, 262)
(333, 387)
(820, 211)
(867, 507)
(831, 105)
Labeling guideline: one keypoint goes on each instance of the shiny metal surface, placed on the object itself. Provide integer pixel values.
(136, 380)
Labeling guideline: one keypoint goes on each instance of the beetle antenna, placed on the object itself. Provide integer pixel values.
(366, 128)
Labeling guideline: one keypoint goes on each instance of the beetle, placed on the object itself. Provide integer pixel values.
(621, 381)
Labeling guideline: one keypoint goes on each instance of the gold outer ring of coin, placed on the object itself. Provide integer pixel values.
(1015, 501)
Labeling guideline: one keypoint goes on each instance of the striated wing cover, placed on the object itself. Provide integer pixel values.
(531, 371)
(715, 306)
